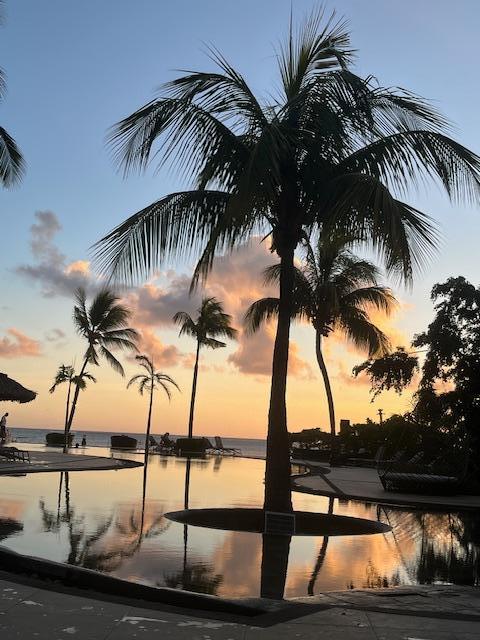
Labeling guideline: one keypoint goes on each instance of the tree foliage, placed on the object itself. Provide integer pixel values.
(449, 391)
(392, 371)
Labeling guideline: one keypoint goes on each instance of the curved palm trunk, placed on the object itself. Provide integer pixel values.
(194, 391)
(328, 388)
(65, 428)
(277, 469)
(149, 423)
(74, 405)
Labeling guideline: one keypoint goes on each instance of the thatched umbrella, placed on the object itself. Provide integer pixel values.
(13, 391)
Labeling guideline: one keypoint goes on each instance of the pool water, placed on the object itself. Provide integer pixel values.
(114, 522)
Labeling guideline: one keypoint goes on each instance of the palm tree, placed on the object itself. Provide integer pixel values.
(104, 326)
(331, 149)
(150, 381)
(211, 322)
(12, 164)
(333, 290)
(66, 373)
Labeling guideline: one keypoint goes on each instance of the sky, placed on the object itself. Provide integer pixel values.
(73, 70)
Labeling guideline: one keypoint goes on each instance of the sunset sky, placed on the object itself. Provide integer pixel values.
(73, 70)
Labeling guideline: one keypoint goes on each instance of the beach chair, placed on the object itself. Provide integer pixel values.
(14, 455)
(414, 476)
(219, 449)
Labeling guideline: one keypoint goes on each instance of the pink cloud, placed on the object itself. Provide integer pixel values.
(164, 355)
(18, 345)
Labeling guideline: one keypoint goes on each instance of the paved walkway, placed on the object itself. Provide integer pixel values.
(360, 483)
(28, 612)
(43, 461)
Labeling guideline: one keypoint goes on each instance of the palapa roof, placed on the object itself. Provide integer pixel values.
(12, 391)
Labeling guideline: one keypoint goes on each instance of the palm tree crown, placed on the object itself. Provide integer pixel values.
(151, 379)
(104, 325)
(334, 291)
(211, 322)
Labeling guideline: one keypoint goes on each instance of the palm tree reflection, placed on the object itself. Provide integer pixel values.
(448, 545)
(117, 537)
(198, 576)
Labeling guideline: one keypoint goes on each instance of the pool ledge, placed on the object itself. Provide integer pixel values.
(47, 461)
(363, 484)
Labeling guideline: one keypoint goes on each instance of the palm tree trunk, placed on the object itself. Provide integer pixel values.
(65, 429)
(194, 391)
(149, 422)
(277, 468)
(74, 404)
(326, 380)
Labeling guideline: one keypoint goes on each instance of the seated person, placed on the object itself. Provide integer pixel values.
(166, 442)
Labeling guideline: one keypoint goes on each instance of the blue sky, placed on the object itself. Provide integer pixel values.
(75, 68)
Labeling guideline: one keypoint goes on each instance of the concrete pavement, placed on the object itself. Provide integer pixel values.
(30, 612)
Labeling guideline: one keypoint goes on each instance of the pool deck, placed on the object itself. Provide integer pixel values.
(361, 483)
(45, 461)
(30, 612)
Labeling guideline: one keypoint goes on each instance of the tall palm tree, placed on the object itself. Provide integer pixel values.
(211, 322)
(66, 374)
(331, 149)
(334, 291)
(150, 381)
(104, 326)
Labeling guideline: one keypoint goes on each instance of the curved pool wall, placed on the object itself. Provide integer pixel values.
(114, 522)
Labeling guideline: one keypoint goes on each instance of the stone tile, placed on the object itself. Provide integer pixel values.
(310, 632)
(55, 601)
(336, 617)
(392, 621)
(414, 634)
(157, 625)
(12, 594)
(62, 626)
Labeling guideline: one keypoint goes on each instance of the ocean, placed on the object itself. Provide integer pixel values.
(249, 447)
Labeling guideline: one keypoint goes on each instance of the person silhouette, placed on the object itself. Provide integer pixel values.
(3, 427)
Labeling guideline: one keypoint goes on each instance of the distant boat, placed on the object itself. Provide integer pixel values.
(57, 439)
(123, 442)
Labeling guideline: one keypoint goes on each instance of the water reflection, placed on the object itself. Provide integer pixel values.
(113, 521)
(199, 577)
(115, 537)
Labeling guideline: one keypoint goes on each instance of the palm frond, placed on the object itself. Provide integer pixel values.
(12, 164)
(363, 333)
(376, 297)
(258, 313)
(112, 361)
(178, 225)
(136, 379)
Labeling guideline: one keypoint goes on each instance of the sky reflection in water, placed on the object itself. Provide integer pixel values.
(105, 521)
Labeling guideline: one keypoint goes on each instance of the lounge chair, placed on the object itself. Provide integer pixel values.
(413, 476)
(159, 447)
(14, 454)
(219, 449)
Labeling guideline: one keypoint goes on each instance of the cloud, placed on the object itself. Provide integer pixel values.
(51, 269)
(163, 355)
(18, 345)
(54, 335)
(155, 306)
(236, 280)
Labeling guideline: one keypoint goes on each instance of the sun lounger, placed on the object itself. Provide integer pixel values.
(413, 476)
(15, 455)
(219, 449)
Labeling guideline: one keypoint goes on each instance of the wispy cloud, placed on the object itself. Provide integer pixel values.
(50, 268)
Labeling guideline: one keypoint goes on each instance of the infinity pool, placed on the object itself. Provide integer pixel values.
(113, 521)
